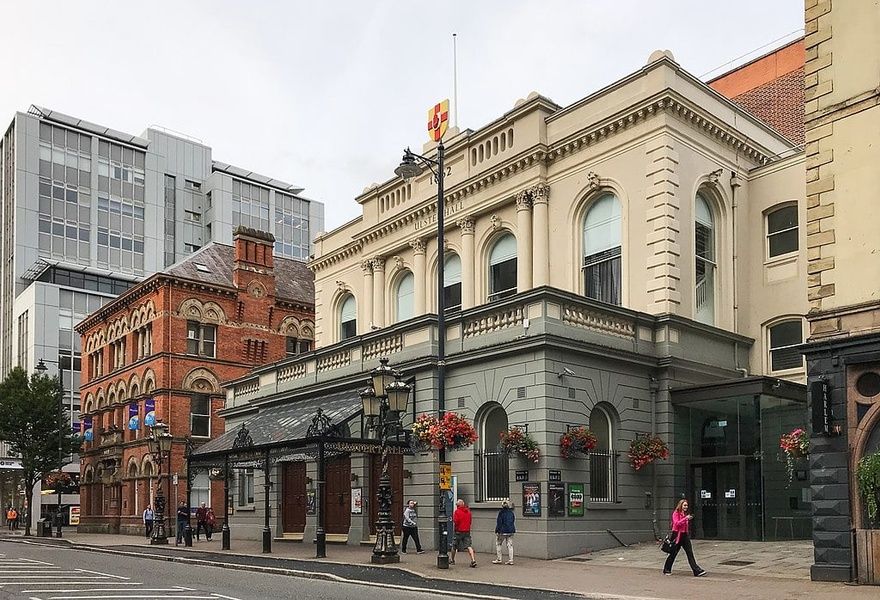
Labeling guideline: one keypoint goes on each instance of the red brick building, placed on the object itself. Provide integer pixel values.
(164, 347)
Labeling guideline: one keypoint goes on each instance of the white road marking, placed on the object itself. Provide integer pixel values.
(127, 596)
(136, 590)
(62, 576)
(222, 596)
(45, 583)
(104, 574)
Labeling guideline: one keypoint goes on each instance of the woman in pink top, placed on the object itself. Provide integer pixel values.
(680, 524)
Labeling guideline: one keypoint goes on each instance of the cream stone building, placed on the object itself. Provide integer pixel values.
(634, 262)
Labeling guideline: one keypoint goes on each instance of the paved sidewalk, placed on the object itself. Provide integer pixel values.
(625, 573)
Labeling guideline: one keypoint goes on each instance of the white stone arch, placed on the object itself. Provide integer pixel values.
(336, 303)
(134, 385)
(132, 470)
(487, 244)
(89, 474)
(397, 277)
(149, 382)
(111, 394)
(89, 403)
(202, 380)
(717, 202)
(213, 313)
(148, 466)
(431, 273)
(101, 399)
(191, 309)
(307, 330)
(121, 391)
(290, 326)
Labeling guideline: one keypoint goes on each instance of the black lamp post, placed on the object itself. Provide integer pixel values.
(160, 447)
(384, 401)
(408, 169)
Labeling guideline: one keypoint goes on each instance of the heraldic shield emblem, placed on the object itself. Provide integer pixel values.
(438, 120)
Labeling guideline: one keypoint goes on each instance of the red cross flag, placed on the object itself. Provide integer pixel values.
(438, 120)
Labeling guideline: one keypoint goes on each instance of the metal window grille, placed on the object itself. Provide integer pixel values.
(603, 476)
(493, 476)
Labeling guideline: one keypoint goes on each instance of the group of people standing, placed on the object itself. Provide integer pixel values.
(205, 521)
(13, 518)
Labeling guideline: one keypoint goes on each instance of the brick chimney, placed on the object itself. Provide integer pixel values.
(254, 259)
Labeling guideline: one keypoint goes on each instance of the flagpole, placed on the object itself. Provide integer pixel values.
(454, 80)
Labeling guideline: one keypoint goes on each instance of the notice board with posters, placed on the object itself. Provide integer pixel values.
(575, 499)
(531, 499)
(556, 499)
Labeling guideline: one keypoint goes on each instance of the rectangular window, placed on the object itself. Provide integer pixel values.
(503, 279)
(23, 340)
(349, 329)
(784, 341)
(246, 487)
(782, 231)
(200, 415)
(603, 476)
(602, 276)
(493, 475)
(201, 339)
(452, 297)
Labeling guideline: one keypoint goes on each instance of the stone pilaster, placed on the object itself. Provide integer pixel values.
(419, 275)
(467, 227)
(379, 291)
(523, 241)
(663, 218)
(366, 302)
(541, 234)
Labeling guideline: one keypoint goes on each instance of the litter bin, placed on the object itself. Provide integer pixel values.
(44, 528)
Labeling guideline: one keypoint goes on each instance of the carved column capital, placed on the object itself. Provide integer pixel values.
(523, 200)
(466, 225)
(418, 245)
(379, 263)
(367, 265)
(540, 194)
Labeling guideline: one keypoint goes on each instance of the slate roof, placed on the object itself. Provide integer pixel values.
(293, 280)
(290, 421)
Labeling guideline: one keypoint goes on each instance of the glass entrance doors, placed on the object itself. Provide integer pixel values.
(725, 498)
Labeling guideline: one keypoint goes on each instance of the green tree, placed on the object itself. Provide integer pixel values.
(35, 424)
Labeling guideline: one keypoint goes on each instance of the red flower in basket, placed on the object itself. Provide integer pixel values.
(578, 440)
(645, 449)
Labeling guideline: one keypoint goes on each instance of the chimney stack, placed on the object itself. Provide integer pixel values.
(254, 258)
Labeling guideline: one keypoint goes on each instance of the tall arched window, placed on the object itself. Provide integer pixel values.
(404, 302)
(603, 460)
(502, 268)
(704, 253)
(601, 260)
(493, 477)
(348, 318)
(452, 282)
(785, 338)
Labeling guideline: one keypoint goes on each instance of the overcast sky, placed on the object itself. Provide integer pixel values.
(327, 94)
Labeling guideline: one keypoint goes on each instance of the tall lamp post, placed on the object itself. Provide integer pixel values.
(411, 166)
(384, 402)
(42, 368)
(160, 447)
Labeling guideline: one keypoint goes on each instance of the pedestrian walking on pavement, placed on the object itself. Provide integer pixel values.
(11, 517)
(201, 513)
(461, 521)
(411, 527)
(148, 520)
(504, 529)
(681, 521)
(182, 520)
(210, 522)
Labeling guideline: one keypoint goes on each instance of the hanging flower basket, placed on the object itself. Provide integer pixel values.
(576, 441)
(517, 440)
(452, 432)
(794, 445)
(645, 449)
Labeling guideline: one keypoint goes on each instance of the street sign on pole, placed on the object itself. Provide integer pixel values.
(445, 476)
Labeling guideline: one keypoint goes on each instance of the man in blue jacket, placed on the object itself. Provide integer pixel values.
(504, 530)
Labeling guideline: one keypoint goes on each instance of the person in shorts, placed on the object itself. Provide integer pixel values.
(461, 520)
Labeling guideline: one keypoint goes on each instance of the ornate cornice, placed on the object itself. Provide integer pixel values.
(336, 256)
(418, 245)
(523, 200)
(467, 225)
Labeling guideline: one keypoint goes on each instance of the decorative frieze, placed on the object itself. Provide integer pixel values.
(292, 372)
(383, 347)
(497, 321)
(595, 321)
(334, 361)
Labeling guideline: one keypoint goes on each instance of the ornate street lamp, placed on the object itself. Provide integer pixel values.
(160, 447)
(411, 166)
(384, 401)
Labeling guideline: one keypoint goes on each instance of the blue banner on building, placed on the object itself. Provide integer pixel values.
(87, 429)
(133, 421)
(149, 412)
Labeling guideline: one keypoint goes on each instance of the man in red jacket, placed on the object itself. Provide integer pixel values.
(461, 520)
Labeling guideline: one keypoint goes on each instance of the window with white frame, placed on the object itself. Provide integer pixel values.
(201, 339)
(493, 466)
(452, 282)
(201, 490)
(404, 306)
(603, 459)
(785, 337)
(246, 487)
(782, 231)
(704, 256)
(348, 318)
(602, 250)
(200, 415)
(502, 268)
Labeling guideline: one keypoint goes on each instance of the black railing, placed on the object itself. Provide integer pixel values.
(493, 476)
(603, 476)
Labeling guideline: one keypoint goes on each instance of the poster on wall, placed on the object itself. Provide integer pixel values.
(575, 499)
(133, 420)
(73, 515)
(357, 501)
(311, 502)
(556, 499)
(149, 412)
(87, 429)
(531, 499)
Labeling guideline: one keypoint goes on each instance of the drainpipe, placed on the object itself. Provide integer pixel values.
(653, 388)
(734, 184)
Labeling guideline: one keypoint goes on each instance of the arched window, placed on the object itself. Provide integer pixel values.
(601, 260)
(704, 253)
(493, 477)
(348, 318)
(603, 460)
(785, 337)
(782, 231)
(404, 307)
(452, 282)
(502, 268)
